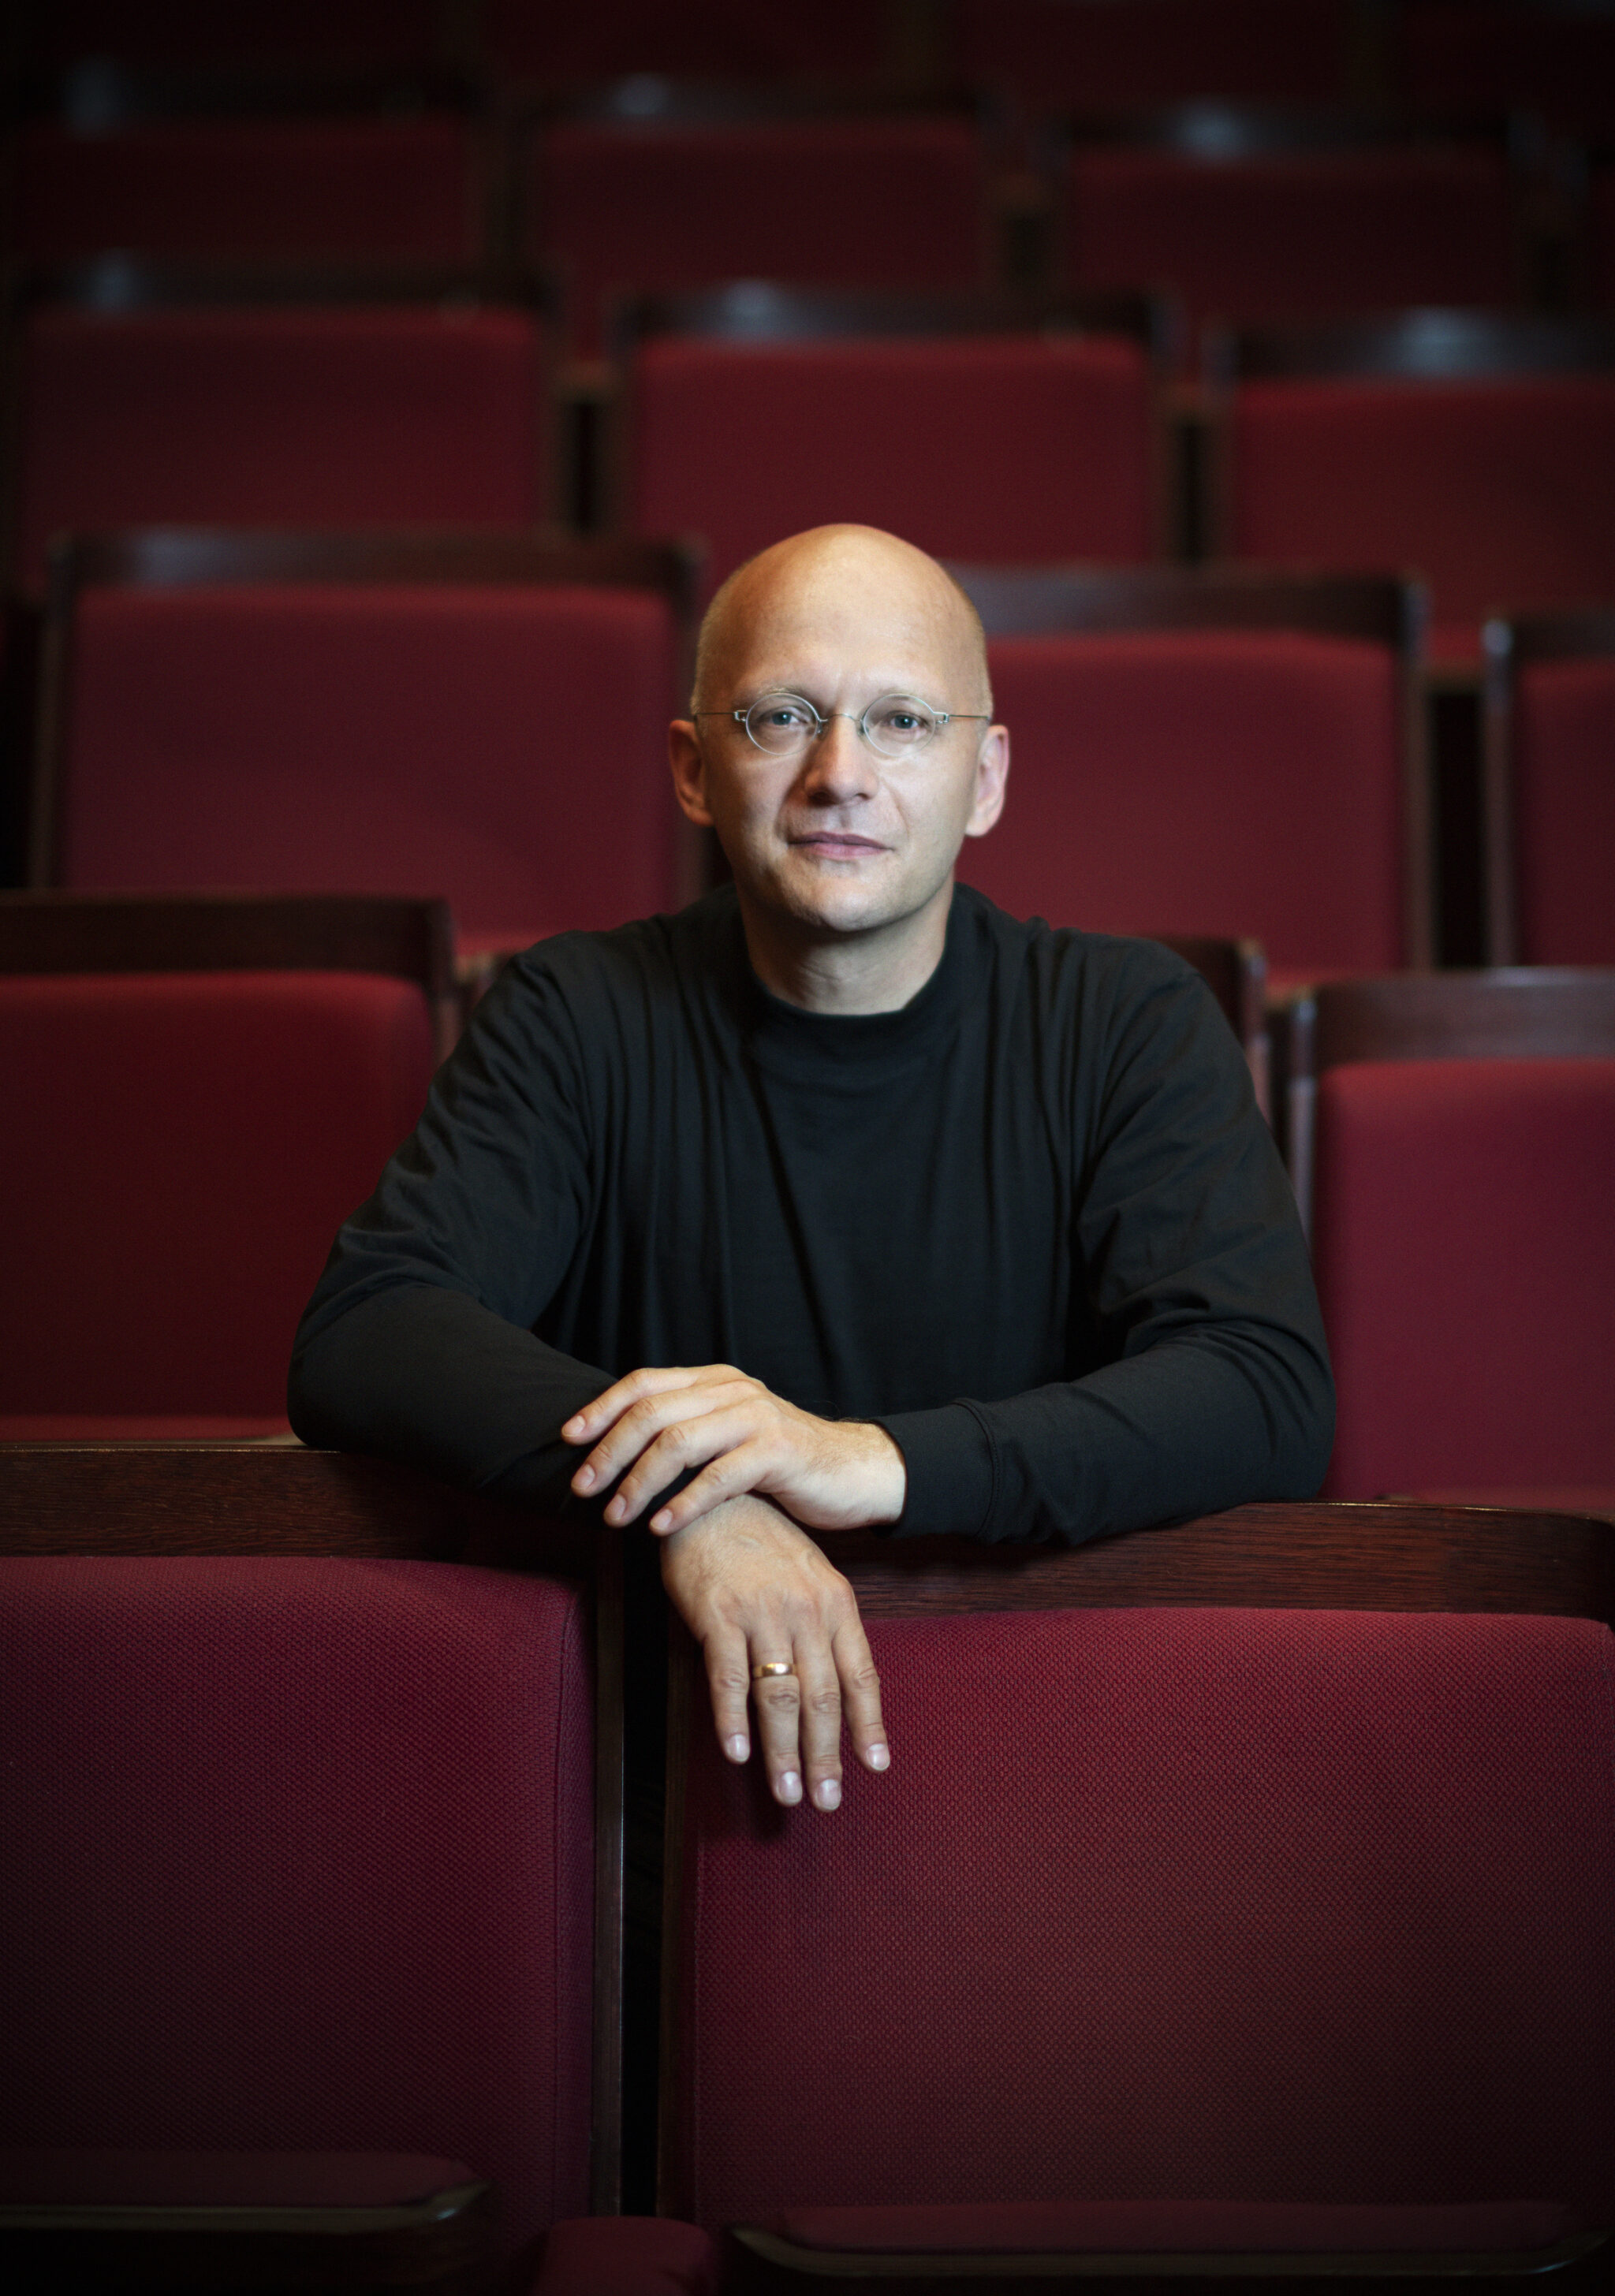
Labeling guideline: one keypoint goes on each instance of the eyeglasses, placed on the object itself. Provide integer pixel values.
(896, 725)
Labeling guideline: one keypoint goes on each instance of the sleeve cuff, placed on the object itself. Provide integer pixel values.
(948, 1455)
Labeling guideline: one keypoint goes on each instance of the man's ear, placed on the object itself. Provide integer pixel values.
(689, 771)
(992, 772)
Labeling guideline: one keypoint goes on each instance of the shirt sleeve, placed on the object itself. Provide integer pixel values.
(1218, 1388)
(417, 1343)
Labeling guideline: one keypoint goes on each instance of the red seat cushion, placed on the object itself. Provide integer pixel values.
(1234, 1907)
(1291, 237)
(847, 202)
(1564, 811)
(1061, 54)
(1503, 494)
(348, 187)
(298, 1860)
(1196, 782)
(1009, 447)
(287, 417)
(1463, 1231)
(180, 1150)
(627, 2255)
(380, 737)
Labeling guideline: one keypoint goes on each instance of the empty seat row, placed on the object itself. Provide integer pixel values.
(1477, 449)
(1479, 56)
(1295, 1949)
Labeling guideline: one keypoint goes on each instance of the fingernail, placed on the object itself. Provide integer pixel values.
(615, 1511)
(661, 1518)
(737, 1749)
(827, 1793)
(879, 1757)
(583, 1478)
(573, 1427)
(790, 1786)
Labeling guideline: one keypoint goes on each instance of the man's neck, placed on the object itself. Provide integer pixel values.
(877, 971)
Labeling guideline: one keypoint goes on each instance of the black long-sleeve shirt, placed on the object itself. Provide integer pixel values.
(1032, 1224)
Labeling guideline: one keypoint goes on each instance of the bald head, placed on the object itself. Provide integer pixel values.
(844, 576)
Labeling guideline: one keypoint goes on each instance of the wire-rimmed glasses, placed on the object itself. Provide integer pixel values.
(893, 725)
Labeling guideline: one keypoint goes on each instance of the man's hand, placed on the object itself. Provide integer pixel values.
(751, 1587)
(833, 1474)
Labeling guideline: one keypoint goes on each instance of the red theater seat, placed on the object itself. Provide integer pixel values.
(367, 187)
(299, 1874)
(180, 1149)
(1094, 55)
(190, 33)
(559, 46)
(1479, 452)
(1279, 230)
(616, 205)
(1216, 753)
(290, 416)
(1551, 788)
(1007, 446)
(1177, 1926)
(1486, 57)
(487, 718)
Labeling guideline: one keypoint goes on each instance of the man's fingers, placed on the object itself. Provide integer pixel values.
(596, 1417)
(820, 1724)
(777, 1699)
(638, 1427)
(729, 1679)
(861, 1694)
(719, 1442)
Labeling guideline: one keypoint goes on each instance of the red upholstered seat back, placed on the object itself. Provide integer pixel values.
(178, 1151)
(1218, 782)
(1216, 1906)
(1564, 811)
(298, 1858)
(1463, 1236)
(1001, 447)
(249, 32)
(504, 745)
(348, 187)
(287, 417)
(845, 202)
(1293, 236)
(1088, 54)
(1502, 493)
(718, 38)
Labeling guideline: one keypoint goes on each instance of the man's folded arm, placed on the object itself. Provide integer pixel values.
(1189, 1245)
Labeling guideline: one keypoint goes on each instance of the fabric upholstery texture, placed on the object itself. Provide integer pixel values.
(298, 1856)
(1228, 1906)
(111, 2175)
(1197, 781)
(627, 2255)
(1063, 53)
(1502, 493)
(504, 745)
(1564, 811)
(1464, 1235)
(179, 1152)
(284, 417)
(348, 187)
(1293, 236)
(1184, 2227)
(1005, 447)
(845, 202)
(725, 39)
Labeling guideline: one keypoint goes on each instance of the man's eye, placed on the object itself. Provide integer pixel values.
(787, 716)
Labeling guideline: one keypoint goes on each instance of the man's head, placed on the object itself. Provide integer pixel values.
(832, 838)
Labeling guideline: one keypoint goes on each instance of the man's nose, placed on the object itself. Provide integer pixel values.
(840, 763)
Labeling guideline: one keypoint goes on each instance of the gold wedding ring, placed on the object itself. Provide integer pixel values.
(771, 1668)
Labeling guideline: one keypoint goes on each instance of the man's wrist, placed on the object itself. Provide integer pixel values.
(883, 1472)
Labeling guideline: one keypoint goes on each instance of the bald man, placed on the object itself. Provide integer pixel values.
(840, 1200)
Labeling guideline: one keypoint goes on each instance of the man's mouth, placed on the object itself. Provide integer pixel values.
(835, 844)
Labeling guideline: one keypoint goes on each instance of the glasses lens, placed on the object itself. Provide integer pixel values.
(900, 723)
(781, 722)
